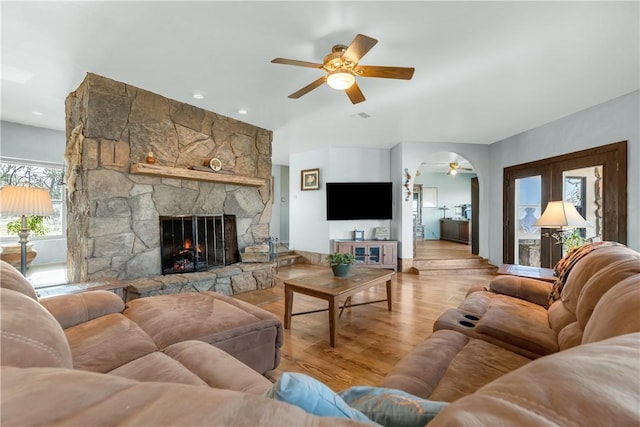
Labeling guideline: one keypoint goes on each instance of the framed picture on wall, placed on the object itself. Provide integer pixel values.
(310, 179)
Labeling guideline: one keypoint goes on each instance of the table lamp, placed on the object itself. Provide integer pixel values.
(560, 214)
(25, 201)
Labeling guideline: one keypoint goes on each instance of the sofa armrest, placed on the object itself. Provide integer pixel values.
(71, 310)
(532, 290)
(476, 288)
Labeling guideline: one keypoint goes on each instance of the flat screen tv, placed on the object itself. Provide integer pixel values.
(358, 200)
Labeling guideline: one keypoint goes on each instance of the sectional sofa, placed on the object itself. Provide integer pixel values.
(512, 328)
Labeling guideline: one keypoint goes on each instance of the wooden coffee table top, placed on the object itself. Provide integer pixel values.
(328, 284)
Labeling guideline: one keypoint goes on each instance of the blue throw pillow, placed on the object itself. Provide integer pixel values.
(312, 396)
(390, 407)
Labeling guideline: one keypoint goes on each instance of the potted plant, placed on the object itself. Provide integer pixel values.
(36, 226)
(341, 263)
(569, 239)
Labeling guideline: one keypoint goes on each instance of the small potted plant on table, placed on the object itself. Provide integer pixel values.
(341, 263)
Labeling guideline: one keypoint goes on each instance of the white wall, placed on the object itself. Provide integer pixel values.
(274, 225)
(284, 204)
(453, 190)
(44, 145)
(613, 121)
(279, 226)
(32, 143)
(309, 229)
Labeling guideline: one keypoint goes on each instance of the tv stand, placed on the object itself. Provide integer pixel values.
(371, 253)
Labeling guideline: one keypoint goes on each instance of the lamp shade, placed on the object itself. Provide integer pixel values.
(559, 214)
(25, 201)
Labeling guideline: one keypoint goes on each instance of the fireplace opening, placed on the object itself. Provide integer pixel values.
(197, 243)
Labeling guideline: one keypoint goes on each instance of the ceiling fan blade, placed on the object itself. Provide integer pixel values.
(358, 48)
(308, 88)
(403, 73)
(296, 63)
(355, 94)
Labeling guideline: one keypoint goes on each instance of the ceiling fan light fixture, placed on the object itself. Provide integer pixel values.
(341, 80)
(453, 172)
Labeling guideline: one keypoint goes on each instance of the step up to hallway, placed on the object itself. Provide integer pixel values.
(289, 258)
(471, 265)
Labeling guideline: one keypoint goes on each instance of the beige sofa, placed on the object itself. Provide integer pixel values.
(105, 335)
(493, 334)
(190, 383)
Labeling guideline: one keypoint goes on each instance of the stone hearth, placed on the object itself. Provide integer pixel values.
(113, 210)
(228, 280)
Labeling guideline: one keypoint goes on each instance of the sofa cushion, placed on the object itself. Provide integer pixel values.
(589, 385)
(600, 283)
(197, 363)
(105, 343)
(313, 396)
(390, 407)
(30, 334)
(616, 313)
(217, 368)
(157, 367)
(532, 290)
(519, 323)
(247, 332)
(71, 310)
(433, 370)
(570, 336)
(559, 316)
(67, 397)
(12, 279)
(587, 267)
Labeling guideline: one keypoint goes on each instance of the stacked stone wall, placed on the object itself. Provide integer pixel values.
(113, 216)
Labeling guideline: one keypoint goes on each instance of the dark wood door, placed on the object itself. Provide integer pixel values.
(610, 159)
(475, 208)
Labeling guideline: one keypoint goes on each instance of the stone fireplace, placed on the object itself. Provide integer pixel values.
(116, 197)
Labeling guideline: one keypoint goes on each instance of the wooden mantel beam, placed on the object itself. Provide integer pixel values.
(196, 175)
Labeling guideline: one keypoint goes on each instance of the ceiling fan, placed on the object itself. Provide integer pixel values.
(454, 167)
(342, 68)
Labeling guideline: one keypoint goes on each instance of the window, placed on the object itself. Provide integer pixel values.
(34, 174)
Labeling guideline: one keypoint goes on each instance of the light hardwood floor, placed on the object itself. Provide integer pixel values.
(370, 339)
(441, 249)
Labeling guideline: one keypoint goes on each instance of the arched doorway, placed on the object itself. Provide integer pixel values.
(443, 207)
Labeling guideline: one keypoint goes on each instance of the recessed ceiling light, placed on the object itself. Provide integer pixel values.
(198, 94)
(37, 113)
(242, 111)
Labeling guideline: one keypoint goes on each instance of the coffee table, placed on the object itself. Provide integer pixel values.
(328, 287)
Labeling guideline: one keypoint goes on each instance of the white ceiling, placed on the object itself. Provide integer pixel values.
(484, 70)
